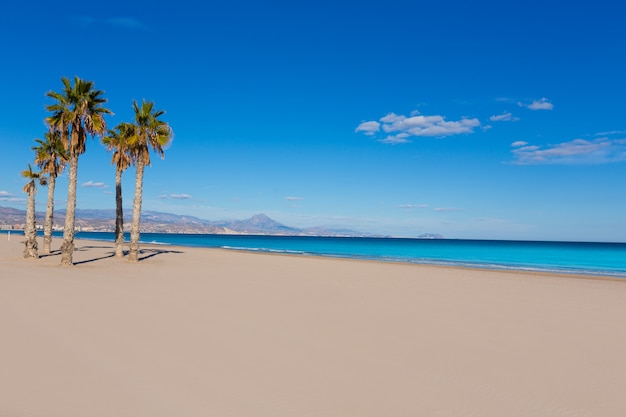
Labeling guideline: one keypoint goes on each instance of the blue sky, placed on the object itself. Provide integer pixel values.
(483, 119)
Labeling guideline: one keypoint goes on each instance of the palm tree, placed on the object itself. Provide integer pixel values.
(117, 141)
(30, 231)
(51, 159)
(76, 113)
(149, 132)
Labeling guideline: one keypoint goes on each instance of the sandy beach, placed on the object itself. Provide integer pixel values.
(202, 332)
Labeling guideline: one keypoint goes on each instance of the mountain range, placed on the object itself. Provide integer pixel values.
(154, 221)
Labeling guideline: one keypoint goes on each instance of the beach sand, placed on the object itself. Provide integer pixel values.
(201, 332)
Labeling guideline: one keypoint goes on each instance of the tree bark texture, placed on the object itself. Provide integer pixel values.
(133, 254)
(67, 248)
(119, 216)
(30, 251)
(47, 226)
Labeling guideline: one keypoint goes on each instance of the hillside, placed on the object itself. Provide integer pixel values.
(153, 221)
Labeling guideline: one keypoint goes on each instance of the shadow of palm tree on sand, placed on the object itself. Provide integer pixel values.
(52, 253)
(154, 252)
(86, 248)
(144, 253)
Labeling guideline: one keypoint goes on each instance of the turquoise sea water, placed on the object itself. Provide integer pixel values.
(561, 257)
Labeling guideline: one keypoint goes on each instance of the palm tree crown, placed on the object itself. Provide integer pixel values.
(149, 132)
(50, 154)
(77, 112)
(117, 141)
(32, 177)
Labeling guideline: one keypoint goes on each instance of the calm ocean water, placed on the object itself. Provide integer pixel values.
(562, 257)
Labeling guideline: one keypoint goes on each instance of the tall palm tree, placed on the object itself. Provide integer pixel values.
(149, 133)
(51, 158)
(30, 231)
(117, 141)
(77, 112)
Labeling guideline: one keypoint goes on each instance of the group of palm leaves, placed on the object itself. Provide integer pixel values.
(77, 112)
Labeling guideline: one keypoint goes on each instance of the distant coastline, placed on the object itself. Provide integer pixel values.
(103, 220)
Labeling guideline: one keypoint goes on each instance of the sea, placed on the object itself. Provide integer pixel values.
(581, 258)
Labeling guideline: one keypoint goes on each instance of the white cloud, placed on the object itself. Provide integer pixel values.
(577, 151)
(412, 206)
(427, 125)
(6, 196)
(400, 128)
(612, 132)
(519, 143)
(290, 198)
(93, 184)
(163, 196)
(395, 139)
(368, 128)
(504, 117)
(541, 104)
(180, 196)
(447, 209)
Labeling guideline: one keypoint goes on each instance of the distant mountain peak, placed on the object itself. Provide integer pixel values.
(259, 217)
(262, 220)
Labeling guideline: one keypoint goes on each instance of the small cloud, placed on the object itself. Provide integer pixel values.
(368, 128)
(163, 196)
(519, 143)
(93, 184)
(395, 139)
(400, 128)
(6, 196)
(427, 125)
(611, 133)
(577, 151)
(180, 196)
(504, 117)
(541, 104)
(447, 209)
(293, 198)
(412, 206)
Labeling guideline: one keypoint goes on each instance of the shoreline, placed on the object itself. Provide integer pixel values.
(197, 332)
(597, 275)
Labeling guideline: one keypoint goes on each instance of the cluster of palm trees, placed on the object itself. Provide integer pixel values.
(77, 112)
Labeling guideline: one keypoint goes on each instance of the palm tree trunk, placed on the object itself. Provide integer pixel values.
(133, 254)
(30, 251)
(47, 226)
(119, 216)
(67, 248)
